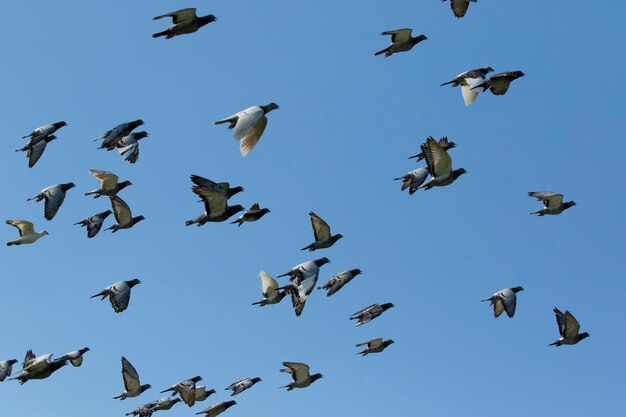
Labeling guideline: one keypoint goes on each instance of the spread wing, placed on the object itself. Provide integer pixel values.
(187, 391)
(54, 197)
(321, 229)
(459, 7)
(121, 210)
(255, 208)
(108, 180)
(550, 200)
(437, 158)
(247, 120)
(299, 371)
(179, 16)
(399, 35)
(571, 327)
(130, 376)
(358, 313)
(467, 89)
(28, 359)
(25, 227)
(252, 136)
(120, 297)
(94, 224)
(560, 321)
(269, 286)
(510, 303)
(214, 201)
(300, 293)
(498, 307)
(130, 152)
(35, 152)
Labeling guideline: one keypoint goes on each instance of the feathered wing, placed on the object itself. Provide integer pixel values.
(24, 227)
(299, 371)
(252, 136)
(35, 152)
(180, 15)
(571, 327)
(130, 376)
(215, 202)
(122, 212)
(54, 198)
(437, 158)
(321, 229)
(269, 285)
(120, 298)
(130, 152)
(399, 35)
(459, 7)
(108, 180)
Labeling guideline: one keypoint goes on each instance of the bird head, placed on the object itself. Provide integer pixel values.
(133, 282)
(141, 135)
(451, 145)
(12, 361)
(387, 306)
(145, 387)
(458, 172)
(322, 261)
(67, 186)
(584, 335)
(196, 379)
(44, 233)
(84, 350)
(517, 289)
(487, 70)
(269, 107)
(317, 376)
(138, 219)
(59, 125)
(355, 272)
(568, 204)
(390, 341)
(236, 190)
(255, 380)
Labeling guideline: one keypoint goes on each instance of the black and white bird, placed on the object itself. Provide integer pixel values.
(499, 83)
(183, 22)
(300, 292)
(254, 213)
(132, 384)
(111, 137)
(443, 142)
(552, 202)
(108, 183)
(221, 187)
(165, 403)
(401, 41)
(439, 165)
(27, 232)
(270, 288)
(216, 208)
(242, 385)
(75, 357)
(370, 313)
(413, 179)
(6, 368)
(217, 409)
(468, 80)
(374, 346)
(94, 223)
(305, 270)
(459, 7)
(45, 130)
(118, 293)
(37, 367)
(338, 281)
(54, 196)
(34, 149)
(128, 146)
(504, 300)
(568, 329)
(186, 389)
(248, 125)
(123, 215)
(321, 232)
(300, 374)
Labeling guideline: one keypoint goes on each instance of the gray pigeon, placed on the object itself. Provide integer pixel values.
(186, 389)
(202, 393)
(183, 22)
(271, 292)
(165, 403)
(34, 149)
(370, 313)
(242, 385)
(300, 374)
(110, 138)
(45, 130)
(54, 196)
(552, 202)
(439, 165)
(499, 83)
(108, 183)
(6, 367)
(94, 223)
(321, 231)
(253, 214)
(37, 367)
(338, 281)
(132, 385)
(468, 80)
(374, 346)
(568, 329)
(118, 293)
(128, 146)
(217, 409)
(248, 125)
(459, 7)
(305, 270)
(300, 292)
(145, 410)
(401, 41)
(413, 179)
(123, 215)
(75, 357)
(504, 300)
(445, 144)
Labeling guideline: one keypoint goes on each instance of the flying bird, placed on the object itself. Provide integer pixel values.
(75, 357)
(132, 384)
(305, 270)
(468, 80)
(45, 130)
(145, 410)
(248, 125)
(271, 292)
(459, 7)
(300, 374)
(216, 208)
(34, 149)
(221, 187)
(253, 214)
(413, 179)
(370, 313)
(165, 403)
(38, 367)
(338, 281)
(123, 215)
(202, 393)
(504, 300)
(94, 223)
(374, 346)
(128, 146)
(443, 142)
(552, 202)
(6, 367)
(401, 41)
(217, 409)
(111, 137)
(54, 196)
(108, 183)
(499, 83)
(186, 389)
(300, 292)
(321, 232)
(439, 165)
(27, 232)
(118, 293)
(242, 385)
(183, 21)
(568, 329)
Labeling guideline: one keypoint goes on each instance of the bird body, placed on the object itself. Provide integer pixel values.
(118, 294)
(439, 165)
(248, 125)
(165, 403)
(38, 367)
(111, 137)
(253, 214)
(374, 346)
(217, 409)
(499, 83)
(401, 41)
(552, 203)
(338, 281)
(45, 130)
(108, 183)
(216, 208)
(413, 179)
(504, 300)
(321, 231)
(370, 313)
(27, 232)
(75, 357)
(54, 196)
(34, 149)
(94, 223)
(132, 384)
(300, 375)
(123, 215)
(271, 293)
(568, 329)
(305, 270)
(186, 389)
(242, 385)
(468, 80)
(183, 22)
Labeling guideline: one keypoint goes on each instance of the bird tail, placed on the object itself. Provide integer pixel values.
(238, 221)
(382, 51)
(557, 343)
(310, 248)
(10, 243)
(189, 222)
(227, 120)
(157, 35)
(449, 82)
(259, 303)
(100, 294)
(166, 390)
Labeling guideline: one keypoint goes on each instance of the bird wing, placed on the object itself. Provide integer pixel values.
(205, 182)
(300, 293)
(560, 321)
(130, 376)
(120, 297)
(321, 229)
(77, 362)
(269, 286)
(122, 212)
(299, 371)
(180, 15)
(255, 208)
(108, 180)
(214, 201)
(375, 343)
(28, 359)
(187, 391)
(252, 136)
(247, 119)
(25, 227)
(35, 152)
(459, 7)
(550, 200)
(358, 313)
(467, 89)
(399, 35)
(130, 152)
(94, 224)
(54, 197)
(571, 327)
(498, 307)
(499, 83)
(509, 304)
(438, 160)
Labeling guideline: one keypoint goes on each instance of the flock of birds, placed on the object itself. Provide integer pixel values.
(248, 126)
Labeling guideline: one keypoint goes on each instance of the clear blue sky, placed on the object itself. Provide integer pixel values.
(346, 125)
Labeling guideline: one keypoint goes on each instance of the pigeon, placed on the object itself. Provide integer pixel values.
(499, 83)
(253, 214)
(338, 281)
(75, 357)
(321, 232)
(45, 130)
(132, 385)
(183, 21)
(468, 80)
(305, 270)
(568, 329)
(128, 146)
(374, 346)
(443, 142)
(248, 125)
(202, 393)
(271, 293)
(35, 148)
(6, 367)
(38, 367)
(459, 7)
(109, 184)
(186, 389)
(110, 138)
(300, 374)
(300, 292)
(552, 202)
(94, 223)
(165, 403)
(222, 187)
(27, 232)
(439, 165)
(242, 385)
(118, 293)
(217, 409)
(413, 179)
(504, 300)
(370, 313)
(145, 410)
(401, 41)
(216, 208)
(123, 215)
(54, 196)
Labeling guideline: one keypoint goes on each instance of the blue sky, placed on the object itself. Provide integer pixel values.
(346, 125)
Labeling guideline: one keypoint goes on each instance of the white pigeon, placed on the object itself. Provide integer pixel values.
(468, 80)
(305, 270)
(248, 125)
(27, 232)
(271, 292)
